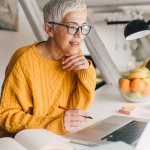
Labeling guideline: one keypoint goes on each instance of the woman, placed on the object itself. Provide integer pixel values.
(48, 74)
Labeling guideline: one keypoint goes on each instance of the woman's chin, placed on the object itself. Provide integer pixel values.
(73, 51)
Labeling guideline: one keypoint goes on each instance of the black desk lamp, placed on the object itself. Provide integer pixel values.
(137, 29)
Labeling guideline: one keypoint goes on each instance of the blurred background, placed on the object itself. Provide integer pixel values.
(16, 32)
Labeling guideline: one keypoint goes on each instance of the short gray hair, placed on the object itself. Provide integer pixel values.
(55, 10)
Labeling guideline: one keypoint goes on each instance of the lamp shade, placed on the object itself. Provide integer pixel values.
(136, 29)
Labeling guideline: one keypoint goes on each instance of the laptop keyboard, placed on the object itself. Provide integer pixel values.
(128, 133)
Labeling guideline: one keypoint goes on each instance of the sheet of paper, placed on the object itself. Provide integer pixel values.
(10, 144)
(36, 139)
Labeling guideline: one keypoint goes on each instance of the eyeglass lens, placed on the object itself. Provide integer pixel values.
(72, 29)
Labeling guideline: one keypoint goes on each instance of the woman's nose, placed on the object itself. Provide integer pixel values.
(79, 33)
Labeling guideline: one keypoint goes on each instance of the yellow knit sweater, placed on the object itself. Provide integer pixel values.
(33, 89)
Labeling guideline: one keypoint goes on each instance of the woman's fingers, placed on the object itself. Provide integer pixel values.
(79, 64)
(78, 112)
(68, 58)
(76, 62)
(72, 59)
(72, 126)
(76, 115)
(73, 119)
(79, 118)
(75, 123)
(79, 67)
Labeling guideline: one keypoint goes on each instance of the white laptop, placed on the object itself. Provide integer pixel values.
(133, 131)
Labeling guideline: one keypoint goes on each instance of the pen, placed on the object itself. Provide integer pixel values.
(69, 109)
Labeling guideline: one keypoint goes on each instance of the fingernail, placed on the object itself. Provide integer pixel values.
(63, 62)
(64, 67)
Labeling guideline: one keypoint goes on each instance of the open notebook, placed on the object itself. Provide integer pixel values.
(35, 139)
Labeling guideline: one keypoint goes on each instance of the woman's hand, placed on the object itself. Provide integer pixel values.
(73, 119)
(76, 62)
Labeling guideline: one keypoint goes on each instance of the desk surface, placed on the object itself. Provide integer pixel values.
(107, 102)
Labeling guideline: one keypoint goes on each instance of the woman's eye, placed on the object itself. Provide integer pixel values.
(73, 27)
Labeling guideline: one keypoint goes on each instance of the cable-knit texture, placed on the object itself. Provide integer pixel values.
(35, 83)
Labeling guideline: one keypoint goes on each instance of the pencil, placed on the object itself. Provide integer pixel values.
(64, 108)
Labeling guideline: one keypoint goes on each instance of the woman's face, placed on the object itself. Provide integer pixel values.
(65, 42)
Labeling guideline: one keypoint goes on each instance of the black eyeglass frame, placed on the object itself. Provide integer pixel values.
(71, 25)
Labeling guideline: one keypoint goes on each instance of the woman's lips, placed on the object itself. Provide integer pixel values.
(75, 44)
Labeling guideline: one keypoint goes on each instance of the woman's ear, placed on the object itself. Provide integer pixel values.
(48, 29)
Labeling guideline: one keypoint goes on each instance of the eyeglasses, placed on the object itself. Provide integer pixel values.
(73, 29)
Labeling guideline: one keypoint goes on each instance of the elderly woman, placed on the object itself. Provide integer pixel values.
(48, 74)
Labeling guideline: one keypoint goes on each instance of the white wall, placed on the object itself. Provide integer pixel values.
(10, 41)
(84, 49)
(107, 34)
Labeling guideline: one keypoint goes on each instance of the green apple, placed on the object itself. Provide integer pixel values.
(135, 96)
(122, 79)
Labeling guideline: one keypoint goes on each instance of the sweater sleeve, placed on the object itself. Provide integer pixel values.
(13, 118)
(83, 93)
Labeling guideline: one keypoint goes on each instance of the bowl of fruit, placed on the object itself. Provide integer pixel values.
(136, 87)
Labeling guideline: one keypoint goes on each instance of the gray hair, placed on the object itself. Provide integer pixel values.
(55, 10)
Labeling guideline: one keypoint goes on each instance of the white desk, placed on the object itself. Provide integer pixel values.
(107, 102)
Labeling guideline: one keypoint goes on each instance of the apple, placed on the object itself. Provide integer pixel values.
(122, 79)
(135, 96)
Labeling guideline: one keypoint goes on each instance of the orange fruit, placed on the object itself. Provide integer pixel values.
(146, 91)
(124, 84)
(137, 85)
